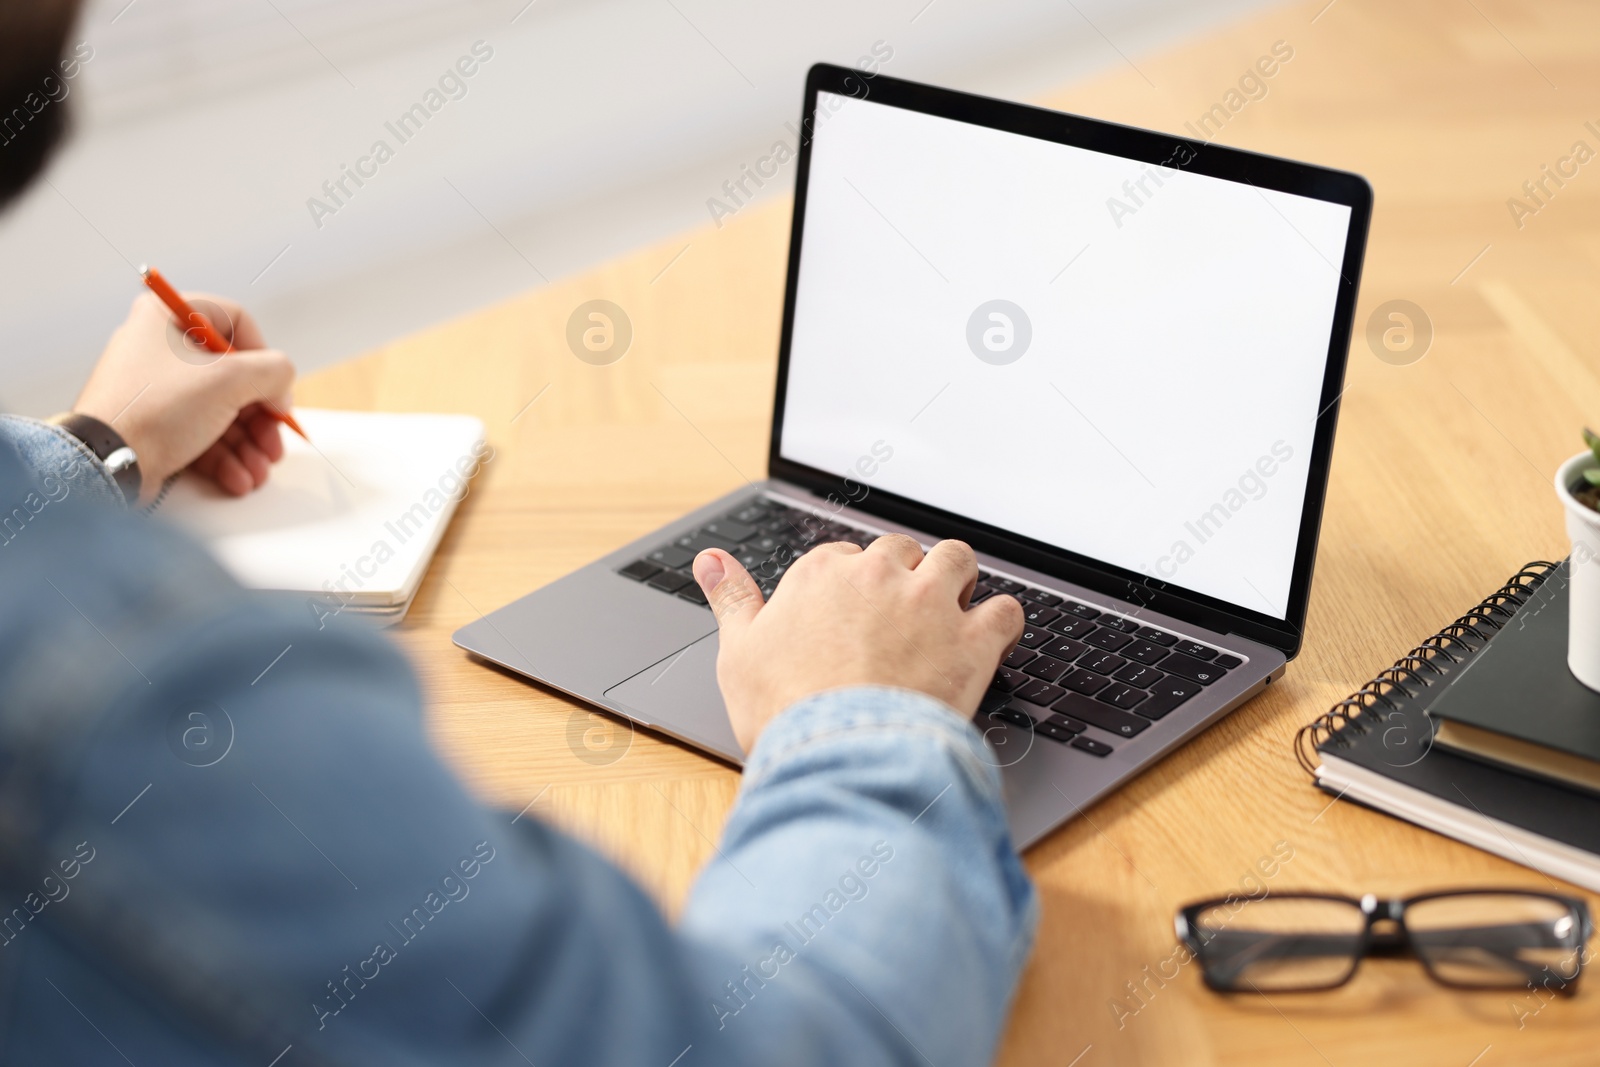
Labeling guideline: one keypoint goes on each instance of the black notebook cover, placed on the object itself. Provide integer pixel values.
(1385, 729)
(1520, 685)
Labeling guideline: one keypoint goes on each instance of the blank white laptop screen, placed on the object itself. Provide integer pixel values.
(1115, 358)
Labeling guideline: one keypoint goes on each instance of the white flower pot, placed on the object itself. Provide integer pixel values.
(1583, 526)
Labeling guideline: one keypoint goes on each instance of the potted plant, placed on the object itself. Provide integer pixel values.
(1578, 486)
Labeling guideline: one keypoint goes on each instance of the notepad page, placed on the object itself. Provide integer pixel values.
(357, 512)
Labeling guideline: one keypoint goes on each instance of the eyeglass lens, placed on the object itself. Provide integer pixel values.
(1280, 942)
(1492, 940)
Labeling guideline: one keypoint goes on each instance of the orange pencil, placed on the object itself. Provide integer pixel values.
(194, 322)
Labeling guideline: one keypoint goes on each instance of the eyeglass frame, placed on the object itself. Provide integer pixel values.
(1388, 943)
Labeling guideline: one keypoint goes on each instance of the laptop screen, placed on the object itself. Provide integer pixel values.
(1115, 358)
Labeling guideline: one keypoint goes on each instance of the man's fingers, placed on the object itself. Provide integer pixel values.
(233, 323)
(258, 376)
(263, 430)
(954, 566)
(254, 461)
(898, 547)
(220, 465)
(998, 623)
(734, 596)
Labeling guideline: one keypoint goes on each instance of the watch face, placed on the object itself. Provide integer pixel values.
(123, 466)
(121, 460)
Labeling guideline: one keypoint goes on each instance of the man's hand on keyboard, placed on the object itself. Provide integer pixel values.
(887, 615)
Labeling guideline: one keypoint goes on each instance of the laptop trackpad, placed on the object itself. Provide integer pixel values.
(679, 695)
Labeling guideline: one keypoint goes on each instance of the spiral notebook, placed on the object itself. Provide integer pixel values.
(348, 522)
(1377, 748)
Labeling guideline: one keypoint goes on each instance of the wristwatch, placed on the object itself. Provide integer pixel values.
(109, 448)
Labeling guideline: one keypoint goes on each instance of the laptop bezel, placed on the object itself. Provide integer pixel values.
(1267, 172)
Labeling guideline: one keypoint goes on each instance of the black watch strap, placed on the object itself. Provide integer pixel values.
(108, 447)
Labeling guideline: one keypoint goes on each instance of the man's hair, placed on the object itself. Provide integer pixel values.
(33, 35)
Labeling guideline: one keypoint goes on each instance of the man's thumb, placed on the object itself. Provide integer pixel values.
(734, 596)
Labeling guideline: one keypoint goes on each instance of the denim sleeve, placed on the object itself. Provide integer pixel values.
(225, 838)
(61, 465)
(866, 879)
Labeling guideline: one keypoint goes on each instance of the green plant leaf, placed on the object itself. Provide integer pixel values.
(1592, 439)
(1592, 476)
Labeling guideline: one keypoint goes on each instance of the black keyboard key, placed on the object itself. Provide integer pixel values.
(1082, 611)
(1091, 746)
(993, 700)
(1007, 679)
(1013, 715)
(774, 548)
(1066, 722)
(1085, 682)
(802, 529)
(1101, 715)
(1117, 622)
(1227, 662)
(1193, 669)
(979, 595)
(729, 530)
(699, 541)
(1055, 731)
(671, 556)
(1166, 695)
(1195, 649)
(1033, 637)
(1110, 640)
(751, 513)
(1016, 658)
(691, 592)
(1068, 626)
(1039, 615)
(770, 569)
(669, 581)
(1064, 648)
(1005, 585)
(983, 576)
(1143, 652)
(639, 570)
(1046, 668)
(1102, 662)
(1137, 674)
(1160, 637)
(1041, 693)
(1039, 596)
(1121, 696)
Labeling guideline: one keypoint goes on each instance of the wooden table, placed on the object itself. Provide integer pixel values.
(1441, 488)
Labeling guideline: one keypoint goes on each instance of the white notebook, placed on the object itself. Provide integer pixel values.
(350, 519)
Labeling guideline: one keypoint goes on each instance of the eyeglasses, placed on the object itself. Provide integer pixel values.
(1469, 938)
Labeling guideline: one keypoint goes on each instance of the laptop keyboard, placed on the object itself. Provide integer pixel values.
(1078, 675)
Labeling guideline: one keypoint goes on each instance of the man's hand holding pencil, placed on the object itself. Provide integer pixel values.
(219, 416)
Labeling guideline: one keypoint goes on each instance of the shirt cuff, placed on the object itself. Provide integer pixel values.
(49, 452)
(840, 714)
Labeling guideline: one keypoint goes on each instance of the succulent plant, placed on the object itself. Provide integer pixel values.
(1592, 439)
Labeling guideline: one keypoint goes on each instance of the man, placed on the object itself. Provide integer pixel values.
(309, 885)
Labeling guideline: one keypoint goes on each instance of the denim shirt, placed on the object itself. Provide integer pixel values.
(225, 839)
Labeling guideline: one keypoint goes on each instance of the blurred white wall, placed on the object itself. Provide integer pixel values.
(204, 126)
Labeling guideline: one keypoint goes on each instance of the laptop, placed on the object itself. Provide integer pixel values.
(1108, 359)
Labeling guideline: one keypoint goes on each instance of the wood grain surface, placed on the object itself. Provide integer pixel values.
(1440, 489)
